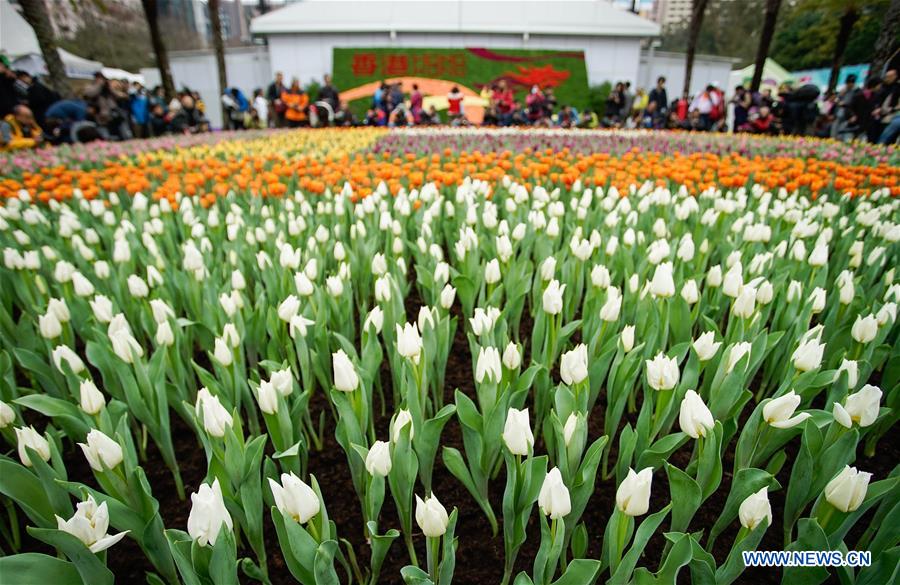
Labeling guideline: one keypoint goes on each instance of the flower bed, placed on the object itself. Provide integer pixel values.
(504, 357)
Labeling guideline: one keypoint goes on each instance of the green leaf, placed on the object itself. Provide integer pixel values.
(580, 572)
(686, 491)
(39, 569)
(91, 569)
(641, 538)
(23, 487)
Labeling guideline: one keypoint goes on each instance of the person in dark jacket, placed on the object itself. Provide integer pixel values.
(9, 98)
(38, 96)
(278, 107)
(328, 93)
(659, 95)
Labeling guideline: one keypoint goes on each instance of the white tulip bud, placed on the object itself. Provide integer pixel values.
(554, 499)
(91, 399)
(553, 297)
(101, 452)
(663, 284)
(779, 412)
(208, 514)
(216, 420)
(28, 437)
(378, 461)
(431, 516)
(633, 495)
(627, 338)
(864, 329)
(573, 367)
(808, 355)
(7, 415)
(695, 418)
(662, 372)
(345, 377)
(512, 357)
(517, 432)
(403, 418)
(706, 346)
(847, 490)
(488, 365)
(755, 508)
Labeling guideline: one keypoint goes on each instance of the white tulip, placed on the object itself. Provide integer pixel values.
(283, 381)
(662, 372)
(600, 276)
(554, 499)
(383, 289)
(864, 329)
(49, 325)
(83, 286)
(378, 460)
(90, 398)
(28, 437)
(488, 365)
(216, 419)
(409, 342)
(755, 508)
(714, 276)
(553, 297)
(573, 367)
(137, 287)
(403, 418)
(492, 272)
(663, 284)
(706, 346)
(267, 396)
(627, 338)
(431, 516)
(345, 377)
(299, 325)
(294, 498)
(517, 432)
(164, 334)
(695, 418)
(633, 495)
(795, 291)
(609, 312)
(733, 281)
(303, 284)
(512, 357)
(689, 292)
(808, 355)
(548, 268)
(887, 314)
(64, 353)
(569, 428)
(745, 303)
(208, 514)
(847, 490)
(448, 295)
(852, 369)
(89, 525)
(334, 285)
(102, 308)
(222, 353)
(817, 300)
(7, 415)
(101, 452)
(737, 352)
(862, 407)
(288, 308)
(779, 412)
(375, 319)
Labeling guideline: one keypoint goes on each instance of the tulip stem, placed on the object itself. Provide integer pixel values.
(411, 549)
(433, 548)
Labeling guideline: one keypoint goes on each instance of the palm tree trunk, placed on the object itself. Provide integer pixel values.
(765, 40)
(848, 19)
(151, 13)
(219, 48)
(35, 13)
(886, 45)
(698, 9)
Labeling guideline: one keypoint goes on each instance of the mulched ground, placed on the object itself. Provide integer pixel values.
(479, 558)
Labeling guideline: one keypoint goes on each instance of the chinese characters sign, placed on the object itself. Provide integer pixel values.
(368, 64)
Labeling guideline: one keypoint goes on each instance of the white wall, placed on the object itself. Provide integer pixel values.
(308, 57)
(247, 69)
(671, 65)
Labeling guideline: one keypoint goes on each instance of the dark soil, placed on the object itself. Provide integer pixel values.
(480, 556)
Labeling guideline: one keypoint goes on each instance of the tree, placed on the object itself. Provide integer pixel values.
(886, 45)
(35, 13)
(848, 19)
(765, 40)
(698, 8)
(151, 12)
(219, 48)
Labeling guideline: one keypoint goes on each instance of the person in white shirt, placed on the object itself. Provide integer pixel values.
(261, 105)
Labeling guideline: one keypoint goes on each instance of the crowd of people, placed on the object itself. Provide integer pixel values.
(33, 114)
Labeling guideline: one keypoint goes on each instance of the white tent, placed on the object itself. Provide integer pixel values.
(16, 37)
(113, 73)
(76, 67)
